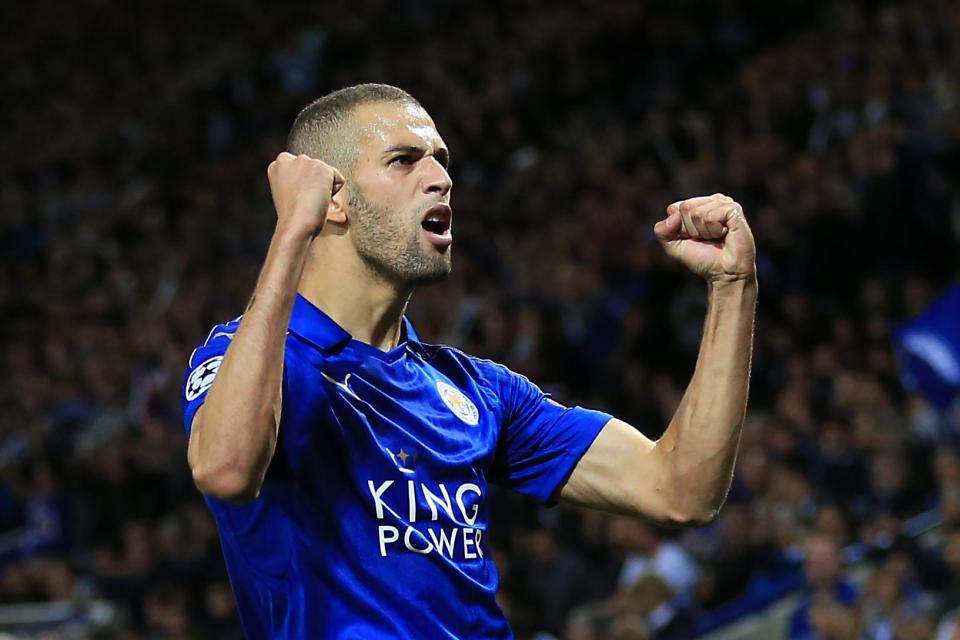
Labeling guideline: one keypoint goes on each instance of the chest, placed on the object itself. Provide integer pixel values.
(405, 420)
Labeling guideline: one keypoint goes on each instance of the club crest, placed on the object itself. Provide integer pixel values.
(458, 403)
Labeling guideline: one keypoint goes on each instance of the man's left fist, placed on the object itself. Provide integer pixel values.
(710, 235)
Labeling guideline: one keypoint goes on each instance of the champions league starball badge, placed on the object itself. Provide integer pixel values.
(202, 377)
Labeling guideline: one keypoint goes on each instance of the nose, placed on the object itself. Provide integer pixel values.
(436, 179)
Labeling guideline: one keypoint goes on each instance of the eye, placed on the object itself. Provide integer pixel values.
(405, 160)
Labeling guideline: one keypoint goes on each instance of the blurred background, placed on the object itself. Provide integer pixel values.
(135, 213)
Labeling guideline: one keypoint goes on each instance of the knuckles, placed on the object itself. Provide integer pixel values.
(707, 209)
(289, 164)
(706, 217)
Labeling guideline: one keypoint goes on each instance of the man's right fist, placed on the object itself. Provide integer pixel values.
(302, 188)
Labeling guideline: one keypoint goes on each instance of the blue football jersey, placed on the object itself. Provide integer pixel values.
(372, 520)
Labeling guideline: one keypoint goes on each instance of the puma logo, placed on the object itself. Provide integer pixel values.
(343, 386)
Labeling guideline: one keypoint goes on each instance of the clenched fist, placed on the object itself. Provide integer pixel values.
(302, 188)
(709, 235)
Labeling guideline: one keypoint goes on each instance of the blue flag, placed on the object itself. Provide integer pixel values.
(929, 351)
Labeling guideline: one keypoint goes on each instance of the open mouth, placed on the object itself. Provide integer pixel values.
(438, 218)
(436, 222)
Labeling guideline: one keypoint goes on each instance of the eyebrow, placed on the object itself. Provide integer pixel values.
(442, 154)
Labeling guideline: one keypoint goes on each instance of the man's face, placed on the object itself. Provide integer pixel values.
(822, 565)
(398, 198)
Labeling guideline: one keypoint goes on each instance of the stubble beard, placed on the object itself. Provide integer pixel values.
(391, 247)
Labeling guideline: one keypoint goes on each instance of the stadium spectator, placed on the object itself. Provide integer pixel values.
(829, 605)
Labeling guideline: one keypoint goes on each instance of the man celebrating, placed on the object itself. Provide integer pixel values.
(347, 463)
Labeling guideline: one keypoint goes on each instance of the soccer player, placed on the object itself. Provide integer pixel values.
(347, 463)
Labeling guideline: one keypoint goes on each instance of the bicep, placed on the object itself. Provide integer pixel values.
(619, 473)
(195, 437)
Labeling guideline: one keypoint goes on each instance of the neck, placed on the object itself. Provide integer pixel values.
(369, 307)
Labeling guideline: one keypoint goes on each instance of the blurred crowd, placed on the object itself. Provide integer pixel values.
(135, 212)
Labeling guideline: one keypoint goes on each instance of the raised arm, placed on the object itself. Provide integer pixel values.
(234, 434)
(683, 478)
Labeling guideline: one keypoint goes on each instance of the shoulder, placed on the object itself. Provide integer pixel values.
(445, 357)
(504, 388)
(216, 342)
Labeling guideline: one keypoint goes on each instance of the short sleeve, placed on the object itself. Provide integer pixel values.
(202, 369)
(540, 440)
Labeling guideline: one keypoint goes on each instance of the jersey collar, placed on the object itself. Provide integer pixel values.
(319, 329)
(408, 334)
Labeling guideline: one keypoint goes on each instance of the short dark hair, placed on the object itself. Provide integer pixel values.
(322, 129)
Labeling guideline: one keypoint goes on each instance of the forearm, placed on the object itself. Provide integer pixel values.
(699, 447)
(235, 433)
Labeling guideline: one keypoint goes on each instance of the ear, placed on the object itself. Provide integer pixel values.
(336, 210)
